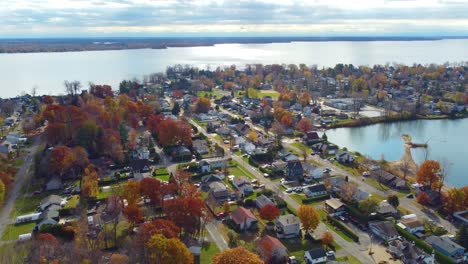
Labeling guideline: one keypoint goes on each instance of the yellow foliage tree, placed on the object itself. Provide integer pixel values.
(168, 250)
(236, 256)
(309, 217)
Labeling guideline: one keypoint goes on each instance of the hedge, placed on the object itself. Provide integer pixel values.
(424, 246)
(315, 199)
(343, 228)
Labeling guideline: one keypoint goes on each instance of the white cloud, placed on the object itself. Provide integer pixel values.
(271, 16)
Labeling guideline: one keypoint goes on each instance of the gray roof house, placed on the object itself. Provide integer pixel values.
(288, 226)
(384, 230)
(50, 200)
(294, 170)
(262, 201)
(315, 190)
(446, 246)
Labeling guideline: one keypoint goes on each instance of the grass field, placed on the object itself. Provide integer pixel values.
(207, 252)
(349, 260)
(271, 93)
(72, 202)
(162, 174)
(26, 205)
(13, 231)
(238, 170)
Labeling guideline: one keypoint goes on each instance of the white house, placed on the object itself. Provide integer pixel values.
(27, 218)
(384, 230)
(411, 225)
(315, 190)
(288, 226)
(316, 255)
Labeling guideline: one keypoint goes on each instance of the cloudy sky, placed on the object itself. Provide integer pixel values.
(39, 18)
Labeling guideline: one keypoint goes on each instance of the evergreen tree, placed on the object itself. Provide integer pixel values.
(462, 236)
(176, 109)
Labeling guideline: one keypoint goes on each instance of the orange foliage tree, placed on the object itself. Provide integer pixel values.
(133, 214)
(429, 173)
(423, 198)
(236, 255)
(269, 212)
(202, 105)
(187, 213)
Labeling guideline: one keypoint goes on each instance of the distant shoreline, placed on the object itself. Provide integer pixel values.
(44, 45)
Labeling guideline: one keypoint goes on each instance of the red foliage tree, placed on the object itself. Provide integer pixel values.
(101, 91)
(158, 226)
(61, 160)
(423, 198)
(187, 213)
(175, 133)
(269, 212)
(304, 125)
(133, 214)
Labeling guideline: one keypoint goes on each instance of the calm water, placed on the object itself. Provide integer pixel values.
(447, 140)
(20, 72)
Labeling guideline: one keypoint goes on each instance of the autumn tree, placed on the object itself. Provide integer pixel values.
(172, 133)
(168, 250)
(235, 256)
(133, 214)
(327, 238)
(423, 198)
(252, 136)
(304, 125)
(151, 189)
(269, 212)
(131, 192)
(187, 213)
(202, 105)
(309, 217)
(428, 173)
(454, 200)
(119, 259)
(90, 182)
(158, 226)
(48, 246)
(348, 190)
(61, 160)
(287, 119)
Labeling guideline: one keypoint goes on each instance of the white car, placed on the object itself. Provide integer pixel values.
(331, 254)
(266, 175)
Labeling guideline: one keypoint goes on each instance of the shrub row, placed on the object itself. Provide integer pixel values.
(424, 246)
(315, 199)
(343, 228)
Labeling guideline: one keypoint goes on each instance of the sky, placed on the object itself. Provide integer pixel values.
(171, 18)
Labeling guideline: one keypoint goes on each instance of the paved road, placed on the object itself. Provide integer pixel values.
(216, 236)
(22, 176)
(354, 249)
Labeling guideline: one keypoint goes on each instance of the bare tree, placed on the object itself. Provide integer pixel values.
(444, 171)
(72, 89)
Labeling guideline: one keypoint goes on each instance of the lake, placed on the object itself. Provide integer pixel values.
(20, 72)
(447, 140)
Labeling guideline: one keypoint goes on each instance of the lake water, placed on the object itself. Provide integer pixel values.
(47, 71)
(447, 140)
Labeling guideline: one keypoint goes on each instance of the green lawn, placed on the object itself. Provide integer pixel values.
(162, 174)
(72, 202)
(26, 205)
(349, 260)
(273, 94)
(19, 162)
(301, 146)
(207, 252)
(238, 170)
(298, 246)
(323, 215)
(13, 231)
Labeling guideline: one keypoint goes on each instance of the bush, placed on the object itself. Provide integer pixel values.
(424, 246)
(266, 192)
(314, 199)
(65, 232)
(343, 228)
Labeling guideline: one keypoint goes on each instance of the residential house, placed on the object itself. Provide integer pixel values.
(6, 149)
(334, 206)
(461, 216)
(385, 209)
(242, 129)
(325, 148)
(316, 255)
(271, 250)
(261, 201)
(316, 190)
(141, 153)
(223, 131)
(279, 165)
(180, 153)
(405, 251)
(208, 179)
(311, 138)
(212, 164)
(219, 191)
(55, 183)
(384, 230)
(242, 184)
(200, 147)
(412, 225)
(248, 148)
(288, 226)
(344, 157)
(294, 171)
(244, 219)
(313, 171)
(49, 201)
(290, 157)
(212, 126)
(446, 246)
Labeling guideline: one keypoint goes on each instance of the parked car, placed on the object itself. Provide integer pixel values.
(298, 189)
(331, 254)
(409, 196)
(366, 174)
(266, 175)
(289, 190)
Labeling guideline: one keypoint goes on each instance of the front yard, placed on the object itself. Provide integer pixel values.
(208, 251)
(12, 231)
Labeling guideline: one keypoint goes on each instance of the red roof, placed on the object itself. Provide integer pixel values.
(267, 245)
(240, 214)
